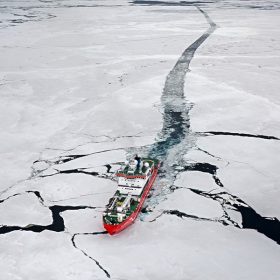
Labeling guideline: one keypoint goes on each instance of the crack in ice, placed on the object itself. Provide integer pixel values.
(269, 226)
(87, 255)
(57, 224)
(227, 133)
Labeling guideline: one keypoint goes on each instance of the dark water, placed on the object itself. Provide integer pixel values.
(176, 121)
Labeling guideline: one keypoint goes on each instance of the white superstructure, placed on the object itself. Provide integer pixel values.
(132, 182)
(131, 186)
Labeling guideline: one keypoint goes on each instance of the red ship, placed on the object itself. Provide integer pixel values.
(135, 180)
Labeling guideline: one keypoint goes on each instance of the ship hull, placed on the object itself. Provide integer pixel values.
(113, 229)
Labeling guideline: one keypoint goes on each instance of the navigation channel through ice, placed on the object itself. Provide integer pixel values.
(89, 83)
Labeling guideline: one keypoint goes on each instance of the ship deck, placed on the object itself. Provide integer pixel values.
(112, 217)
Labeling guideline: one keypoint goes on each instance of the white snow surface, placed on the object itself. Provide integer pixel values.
(85, 78)
(188, 202)
(47, 255)
(23, 210)
(174, 249)
(197, 180)
(252, 172)
(85, 221)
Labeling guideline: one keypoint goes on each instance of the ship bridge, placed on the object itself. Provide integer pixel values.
(132, 178)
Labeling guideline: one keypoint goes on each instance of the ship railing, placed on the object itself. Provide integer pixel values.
(131, 176)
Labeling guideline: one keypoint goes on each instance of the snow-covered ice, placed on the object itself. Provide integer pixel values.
(22, 210)
(88, 83)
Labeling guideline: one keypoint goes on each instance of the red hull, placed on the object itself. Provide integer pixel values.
(113, 229)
